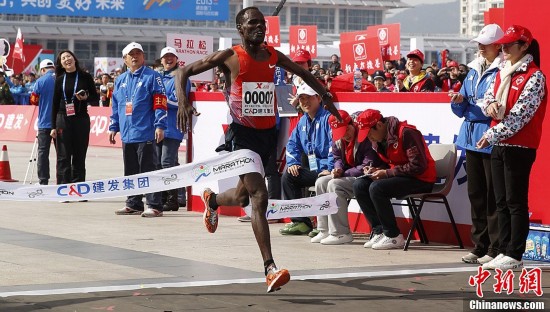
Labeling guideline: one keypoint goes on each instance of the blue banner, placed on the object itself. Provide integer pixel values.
(214, 10)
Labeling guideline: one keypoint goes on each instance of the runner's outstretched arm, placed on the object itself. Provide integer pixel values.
(185, 109)
(286, 63)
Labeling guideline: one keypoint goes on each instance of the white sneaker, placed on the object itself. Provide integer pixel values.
(509, 263)
(373, 240)
(390, 243)
(492, 264)
(337, 239)
(484, 259)
(470, 258)
(151, 213)
(320, 236)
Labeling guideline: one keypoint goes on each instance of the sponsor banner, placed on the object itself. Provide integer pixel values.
(363, 53)
(212, 169)
(320, 205)
(191, 48)
(353, 36)
(16, 121)
(303, 37)
(389, 39)
(273, 31)
(210, 10)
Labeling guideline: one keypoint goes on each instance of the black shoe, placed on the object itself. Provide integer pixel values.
(172, 201)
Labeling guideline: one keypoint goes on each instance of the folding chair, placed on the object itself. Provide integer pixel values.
(444, 156)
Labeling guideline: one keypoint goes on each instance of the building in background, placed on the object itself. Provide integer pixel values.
(91, 37)
(471, 15)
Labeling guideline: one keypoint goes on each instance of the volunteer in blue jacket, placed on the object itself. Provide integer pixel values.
(167, 149)
(139, 114)
(42, 96)
(464, 104)
(312, 137)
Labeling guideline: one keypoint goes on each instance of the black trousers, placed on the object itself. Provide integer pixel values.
(485, 231)
(73, 137)
(140, 158)
(292, 188)
(44, 141)
(511, 167)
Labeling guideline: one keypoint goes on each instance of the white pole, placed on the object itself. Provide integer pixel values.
(248, 3)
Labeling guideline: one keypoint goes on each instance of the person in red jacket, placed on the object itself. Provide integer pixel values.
(517, 102)
(417, 81)
(411, 170)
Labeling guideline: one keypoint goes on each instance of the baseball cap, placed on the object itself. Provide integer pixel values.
(339, 128)
(46, 63)
(453, 64)
(489, 34)
(401, 76)
(130, 47)
(516, 33)
(378, 75)
(365, 121)
(305, 89)
(167, 50)
(388, 75)
(416, 53)
(301, 56)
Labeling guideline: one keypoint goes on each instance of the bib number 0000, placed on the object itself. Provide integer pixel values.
(258, 99)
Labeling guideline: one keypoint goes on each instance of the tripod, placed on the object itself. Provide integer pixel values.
(32, 161)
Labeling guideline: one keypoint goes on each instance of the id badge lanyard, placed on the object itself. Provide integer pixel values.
(311, 148)
(133, 89)
(69, 106)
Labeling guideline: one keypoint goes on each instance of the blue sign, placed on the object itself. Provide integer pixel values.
(213, 10)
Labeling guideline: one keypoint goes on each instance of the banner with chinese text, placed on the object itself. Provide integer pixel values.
(389, 39)
(303, 37)
(273, 31)
(191, 48)
(364, 54)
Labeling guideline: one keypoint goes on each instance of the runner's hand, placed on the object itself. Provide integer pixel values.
(185, 116)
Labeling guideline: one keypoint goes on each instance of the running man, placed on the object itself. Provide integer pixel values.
(250, 64)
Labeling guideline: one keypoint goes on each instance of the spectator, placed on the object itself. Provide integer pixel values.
(213, 87)
(30, 83)
(105, 90)
(478, 161)
(139, 113)
(18, 90)
(448, 78)
(311, 137)
(388, 82)
(334, 66)
(350, 157)
(517, 102)
(42, 96)
(417, 81)
(399, 86)
(315, 70)
(74, 89)
(6, 98)
(378, 79)
(389, 67)
(167, 149)
(411, 171)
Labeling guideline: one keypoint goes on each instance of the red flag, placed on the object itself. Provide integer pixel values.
(303, 37)
(18, 49)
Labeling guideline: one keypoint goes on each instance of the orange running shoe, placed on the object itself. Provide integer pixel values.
(210, 215)
(275, 279)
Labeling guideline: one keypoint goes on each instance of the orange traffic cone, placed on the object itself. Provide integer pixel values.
(5, 172)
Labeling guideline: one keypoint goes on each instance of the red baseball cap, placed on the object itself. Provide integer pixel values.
(339, 128)
(365, 121)
(453, 64)
(388, 75)
(401, 76)
(516, 33)
(302, 56)
(416, 53)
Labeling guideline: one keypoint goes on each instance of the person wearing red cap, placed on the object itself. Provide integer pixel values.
(411, 171)
(448, 78)
(388, 82)
(483, 208)
(417, 81)
(516, 101)
(350, 157)
(248, 64)
(399, 86)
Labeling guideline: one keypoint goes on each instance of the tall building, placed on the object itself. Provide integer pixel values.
(471, 15)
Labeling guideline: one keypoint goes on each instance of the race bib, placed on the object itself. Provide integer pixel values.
(69, 108)
(128, 108)
(258, 99)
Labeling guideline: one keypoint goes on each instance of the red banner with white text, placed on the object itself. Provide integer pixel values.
(389, 39)
(303, 37)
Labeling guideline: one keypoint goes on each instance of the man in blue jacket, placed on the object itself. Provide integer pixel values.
(139, 114)
(312, 137)
(167, 149)
(42, 95)
(485, 232)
